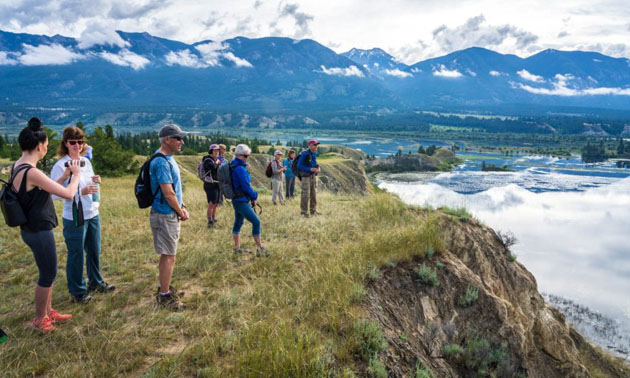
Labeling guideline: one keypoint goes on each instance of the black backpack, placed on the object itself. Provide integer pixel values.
(142, 189)
(294, 165)
(269, 170)
(9, 203)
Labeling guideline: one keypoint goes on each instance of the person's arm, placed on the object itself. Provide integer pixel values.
(39, 179)
(60, 175)
(302, 163)
(171, 198)
(276, 167)
(244, 184)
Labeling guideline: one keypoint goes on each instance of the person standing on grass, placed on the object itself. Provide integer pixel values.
(81, 233)
(277, 178)
(289, 176)
(222, 150)
(34, 191)
(211, 182)
(308, 167)
(244, 194)
(167, 211)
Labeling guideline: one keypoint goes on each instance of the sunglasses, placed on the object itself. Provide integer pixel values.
(179, 139)
(245, 156)
(73, 142)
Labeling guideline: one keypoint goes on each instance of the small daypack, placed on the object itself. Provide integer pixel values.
(202, 174)
(9, 203)
(269, 170)
(225, 181)
(142, 188)
(294, 164)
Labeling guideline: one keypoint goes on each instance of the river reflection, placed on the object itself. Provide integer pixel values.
(576, 243)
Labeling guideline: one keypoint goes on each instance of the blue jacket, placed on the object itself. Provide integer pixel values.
(287, 163)
(306, 169)
(241, 181)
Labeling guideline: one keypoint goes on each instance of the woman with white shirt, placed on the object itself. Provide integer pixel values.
(81, 222)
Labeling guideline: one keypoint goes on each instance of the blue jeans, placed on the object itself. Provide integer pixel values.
(242, 211)
(78, 239)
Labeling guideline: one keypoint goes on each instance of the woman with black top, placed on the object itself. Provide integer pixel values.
(211, 165)
(34, 189)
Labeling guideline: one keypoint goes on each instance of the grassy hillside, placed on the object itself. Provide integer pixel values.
(296, 313)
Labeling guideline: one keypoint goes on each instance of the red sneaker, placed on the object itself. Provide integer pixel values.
(44, 324)
(56, 317)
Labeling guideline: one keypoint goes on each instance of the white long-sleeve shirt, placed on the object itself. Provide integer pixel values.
(90, 209)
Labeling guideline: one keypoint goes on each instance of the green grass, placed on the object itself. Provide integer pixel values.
(469, 298)
(297, 313)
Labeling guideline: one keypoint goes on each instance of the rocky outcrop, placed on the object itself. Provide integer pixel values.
(506, 331)
(442, 159)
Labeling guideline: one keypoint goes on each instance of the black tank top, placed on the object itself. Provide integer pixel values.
(37, 205)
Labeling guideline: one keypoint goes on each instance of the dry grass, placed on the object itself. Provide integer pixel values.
(289, 315)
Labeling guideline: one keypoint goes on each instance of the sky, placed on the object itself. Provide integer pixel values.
(410, 30)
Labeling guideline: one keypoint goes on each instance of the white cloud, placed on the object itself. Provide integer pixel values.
(239, 62)
(212, 52)
(529, 76)
(471, 73)
(495, 73)
(416, 70)
(126, 58)
(442, 71)
(6, 60)
(341, 71)
(184, 58)
(398, 73)
(43, 55)
(560, 87)
(100, 33)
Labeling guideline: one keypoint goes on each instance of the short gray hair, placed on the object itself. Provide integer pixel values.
(242, 149)
(162, 139)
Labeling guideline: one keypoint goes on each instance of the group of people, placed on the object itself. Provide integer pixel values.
(74, 181)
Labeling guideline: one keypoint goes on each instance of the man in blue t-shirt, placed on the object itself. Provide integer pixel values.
(167, 211)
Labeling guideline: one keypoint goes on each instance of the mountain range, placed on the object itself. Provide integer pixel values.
(274, 75)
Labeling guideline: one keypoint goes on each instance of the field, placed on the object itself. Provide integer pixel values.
(290, 315)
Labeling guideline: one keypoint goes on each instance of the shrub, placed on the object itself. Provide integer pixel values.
(429, 252)
(423, 371)
(427, 275)
(452, 352)
(376, 368)
(369, 339)
(472, 293)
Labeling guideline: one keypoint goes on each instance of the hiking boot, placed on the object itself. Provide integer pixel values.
(241, 251)
(262, 251)
(173, 291)
(56, 317)
(44, 324)
(305, 215)
(314, 213)
(83, 298)
(103, 287)
(170, 301)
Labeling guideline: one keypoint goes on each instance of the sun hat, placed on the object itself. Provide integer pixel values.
(213, 147)
(278, 152)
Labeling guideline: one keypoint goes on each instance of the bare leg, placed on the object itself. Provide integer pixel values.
(258, 242)
(49, 302)
(167, 263)
(212, 209)
(209, 211)
(42, 295)
(237, 240)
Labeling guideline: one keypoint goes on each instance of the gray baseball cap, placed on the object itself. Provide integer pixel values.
(172, 130)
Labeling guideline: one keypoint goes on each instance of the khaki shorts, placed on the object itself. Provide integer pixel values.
(165, 228)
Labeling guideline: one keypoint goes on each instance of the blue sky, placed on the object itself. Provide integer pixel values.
(411, 30)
